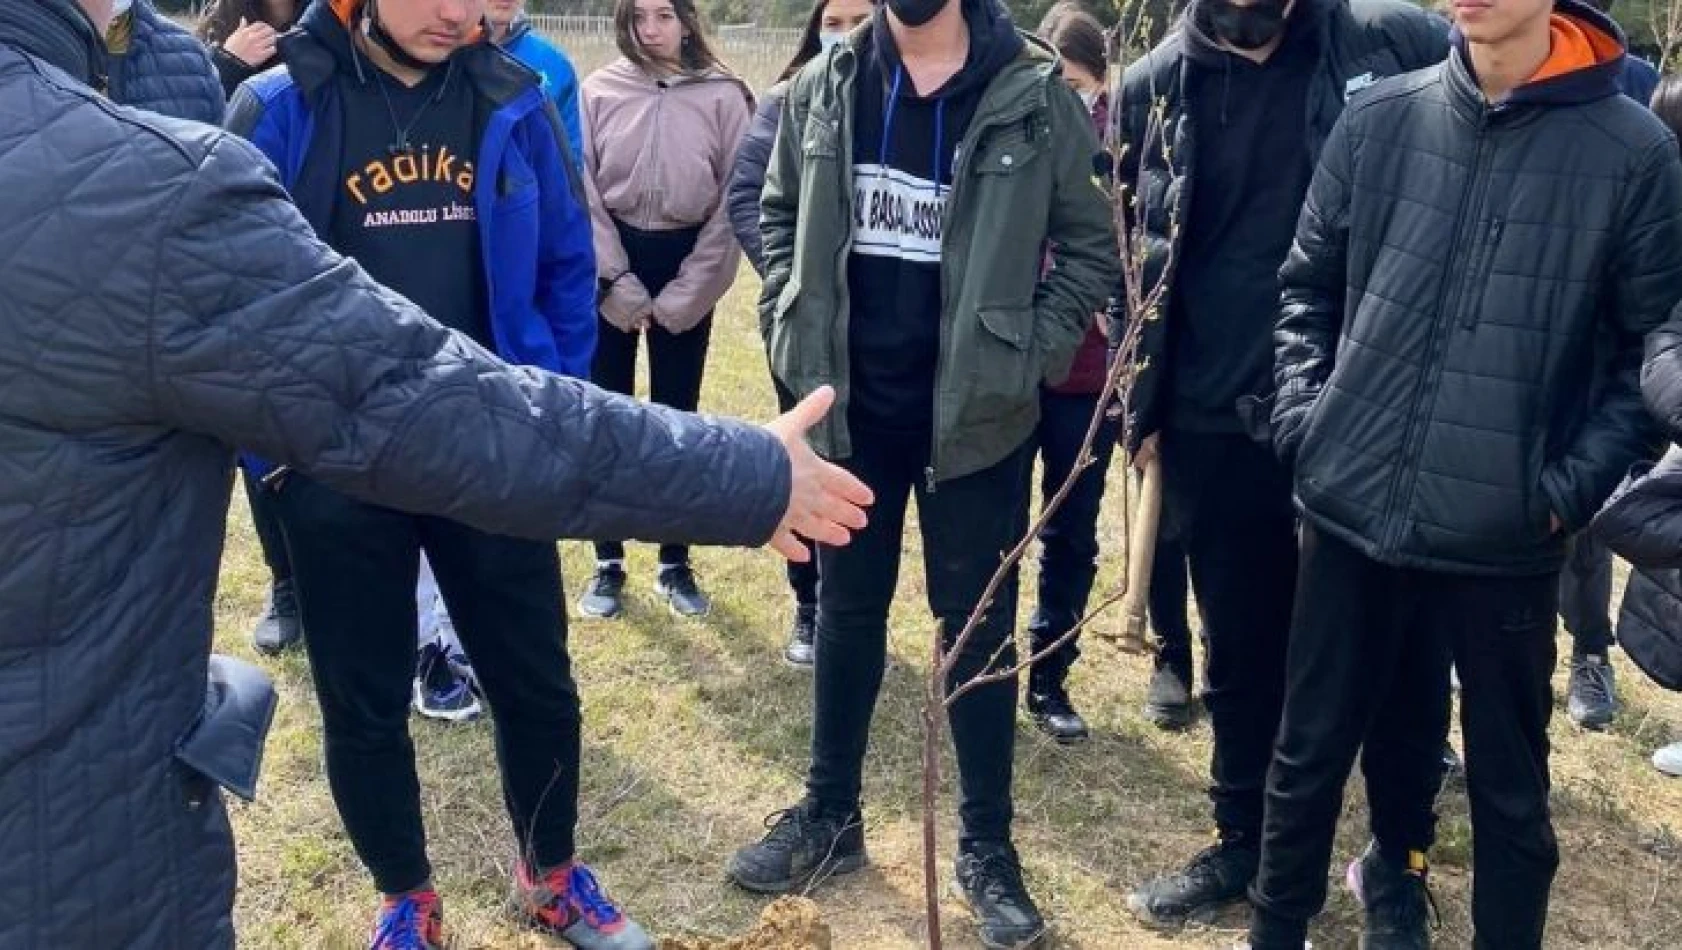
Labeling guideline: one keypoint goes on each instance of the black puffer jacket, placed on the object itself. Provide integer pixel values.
(1359, 42)
(163, 301)
(1642, 524)
(1452, 269)
(747, 178)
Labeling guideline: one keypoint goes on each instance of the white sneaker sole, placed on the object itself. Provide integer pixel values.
(464, 714)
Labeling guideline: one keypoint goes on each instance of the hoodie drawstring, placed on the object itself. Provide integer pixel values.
(883, 152)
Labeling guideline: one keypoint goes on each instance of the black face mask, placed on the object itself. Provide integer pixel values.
(916, 12)
(1250, 27)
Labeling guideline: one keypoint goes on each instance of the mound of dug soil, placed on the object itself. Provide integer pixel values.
(792, 923)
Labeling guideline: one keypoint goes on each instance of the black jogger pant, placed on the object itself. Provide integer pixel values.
(1369, 658)
(1069, 543)
(356, 566)
(802, 575)
(267, 525)
(1585, 594)
(967, 523)
(1229, 501)
(676, 361)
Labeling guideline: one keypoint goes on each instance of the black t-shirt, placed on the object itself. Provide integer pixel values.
(1250, 177)
(405, 208)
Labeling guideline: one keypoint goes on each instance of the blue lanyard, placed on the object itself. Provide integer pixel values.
(888, 127)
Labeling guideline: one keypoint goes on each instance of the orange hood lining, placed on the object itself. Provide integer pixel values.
(1576, 44)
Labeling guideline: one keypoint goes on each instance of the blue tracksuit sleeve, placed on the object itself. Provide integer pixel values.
(566, 278)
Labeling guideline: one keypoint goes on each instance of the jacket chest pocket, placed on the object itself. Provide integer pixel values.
(821, 139)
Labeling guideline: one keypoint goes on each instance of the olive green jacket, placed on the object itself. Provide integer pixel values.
(1022, 183)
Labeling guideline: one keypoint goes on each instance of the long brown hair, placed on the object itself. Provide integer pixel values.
(695, 55)
(222, 19)
(1667, 103)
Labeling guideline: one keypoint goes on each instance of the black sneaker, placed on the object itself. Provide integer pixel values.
(990, 880)
(1048, 703)
(603, 599)
(1216, 877)
(279, 628)
(1398, 903)
(677, 584)
(800, 650)
(1592, 697)
(1168, 700)
(441, 692)
(806, 844)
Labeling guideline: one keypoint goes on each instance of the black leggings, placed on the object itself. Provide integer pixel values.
(676, 361)
(356, 566)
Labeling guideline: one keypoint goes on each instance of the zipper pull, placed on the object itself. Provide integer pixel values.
(1495, 231)
(928, 478)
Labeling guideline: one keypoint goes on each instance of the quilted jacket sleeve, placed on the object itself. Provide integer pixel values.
(1312, 282)
(1081, 234)
(1645, 278)
(747, 179)
(1661, 375)
(263, 337)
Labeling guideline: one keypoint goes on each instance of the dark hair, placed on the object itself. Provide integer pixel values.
(1078, 37)
(222, 18)
(1055, 15)
(1604, 6)
(695, 55)
(1667, 103)
(810, 45)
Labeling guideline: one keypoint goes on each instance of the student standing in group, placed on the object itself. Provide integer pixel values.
(158, 66)
(413, 145)
(661, 125)
(1484, 248)
(1221, 125)
(511, 30)
(921, 168)
(828, 24)
(1069, 543)
(242, 36)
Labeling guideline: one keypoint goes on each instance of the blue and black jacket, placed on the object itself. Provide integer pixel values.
(534, 224)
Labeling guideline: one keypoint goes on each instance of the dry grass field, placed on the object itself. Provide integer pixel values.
(696, 730)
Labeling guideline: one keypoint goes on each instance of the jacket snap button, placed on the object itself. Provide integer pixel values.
(1007, 161)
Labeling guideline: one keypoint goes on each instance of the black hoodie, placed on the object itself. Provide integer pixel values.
(903, 150)
(1252, 170)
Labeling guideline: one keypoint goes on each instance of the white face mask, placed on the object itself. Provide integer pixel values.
(1090, 98)
(827, 39)
(120, 7)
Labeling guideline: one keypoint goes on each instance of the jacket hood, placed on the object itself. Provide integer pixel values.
(1204, 49)
(1585, 63)
(993, 43)
(57, 31)
(623, 76)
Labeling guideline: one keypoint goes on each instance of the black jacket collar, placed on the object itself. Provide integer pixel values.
(59, 32)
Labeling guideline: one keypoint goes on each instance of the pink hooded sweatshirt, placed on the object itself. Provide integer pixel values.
(658, 156)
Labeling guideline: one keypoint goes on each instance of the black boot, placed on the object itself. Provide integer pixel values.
(1216, 877)
(1168, 698)
(1048, 703)
(279, 628)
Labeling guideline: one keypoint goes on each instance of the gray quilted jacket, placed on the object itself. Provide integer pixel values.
(166, 70)
(163, 302)
(1464, 308)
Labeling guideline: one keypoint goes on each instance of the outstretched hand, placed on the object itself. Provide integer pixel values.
(825, 503)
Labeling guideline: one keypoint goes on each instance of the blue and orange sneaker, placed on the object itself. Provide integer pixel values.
(414, 921)
(568, 903)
